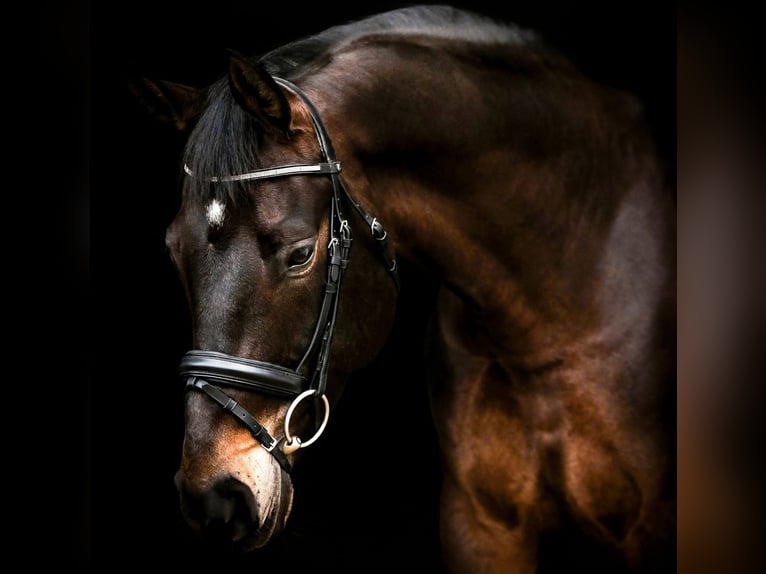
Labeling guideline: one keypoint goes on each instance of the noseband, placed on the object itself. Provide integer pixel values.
(208, 371)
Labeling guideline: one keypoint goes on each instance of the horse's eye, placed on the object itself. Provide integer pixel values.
(300, 256)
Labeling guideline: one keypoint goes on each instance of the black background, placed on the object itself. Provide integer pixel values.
(366, 493)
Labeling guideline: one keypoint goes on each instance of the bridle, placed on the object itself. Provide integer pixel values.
(208, 371)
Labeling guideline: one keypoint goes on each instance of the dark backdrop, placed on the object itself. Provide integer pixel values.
(365, 499)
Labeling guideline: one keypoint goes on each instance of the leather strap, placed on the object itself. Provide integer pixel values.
(272, 172)
(243, 373)
(256, 429)
(328, 154)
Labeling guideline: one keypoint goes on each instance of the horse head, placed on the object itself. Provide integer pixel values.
(261, 242)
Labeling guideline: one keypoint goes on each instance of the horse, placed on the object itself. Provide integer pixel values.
(429, 145)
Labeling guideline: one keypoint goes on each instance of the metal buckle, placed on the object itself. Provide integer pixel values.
(273, 444)
(372, 229)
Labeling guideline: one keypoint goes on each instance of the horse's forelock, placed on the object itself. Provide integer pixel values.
(223, 142)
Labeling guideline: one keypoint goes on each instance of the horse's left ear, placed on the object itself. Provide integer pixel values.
(257, 92)
(171, 103)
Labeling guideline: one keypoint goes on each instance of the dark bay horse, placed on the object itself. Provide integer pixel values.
(489, 164)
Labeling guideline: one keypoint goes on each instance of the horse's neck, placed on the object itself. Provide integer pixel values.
(543, 214)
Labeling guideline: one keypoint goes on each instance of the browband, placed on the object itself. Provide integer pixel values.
(323, 168)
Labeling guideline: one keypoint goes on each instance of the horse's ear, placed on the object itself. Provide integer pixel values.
(175, 104)
(257, 92)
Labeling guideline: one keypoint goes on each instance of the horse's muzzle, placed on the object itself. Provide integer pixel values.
(225, 513)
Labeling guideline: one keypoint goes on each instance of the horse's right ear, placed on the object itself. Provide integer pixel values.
(171, 103)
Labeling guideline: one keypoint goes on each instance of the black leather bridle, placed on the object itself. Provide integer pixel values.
(207, 371)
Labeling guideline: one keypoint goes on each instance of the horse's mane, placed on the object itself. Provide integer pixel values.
(224, 140)
(439, 21)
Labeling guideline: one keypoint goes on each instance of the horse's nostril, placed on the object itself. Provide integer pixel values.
(218, 509)
(225, 510)
(231, 499)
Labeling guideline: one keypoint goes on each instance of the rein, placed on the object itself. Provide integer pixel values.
(207, 371)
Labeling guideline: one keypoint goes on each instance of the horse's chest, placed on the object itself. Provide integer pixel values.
(523, 453)
(538, 448)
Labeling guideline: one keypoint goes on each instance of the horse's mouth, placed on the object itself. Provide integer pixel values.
(237, 536)
(239, 522)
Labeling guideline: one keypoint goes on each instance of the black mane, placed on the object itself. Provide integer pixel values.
(225, 138)
(429, 20)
